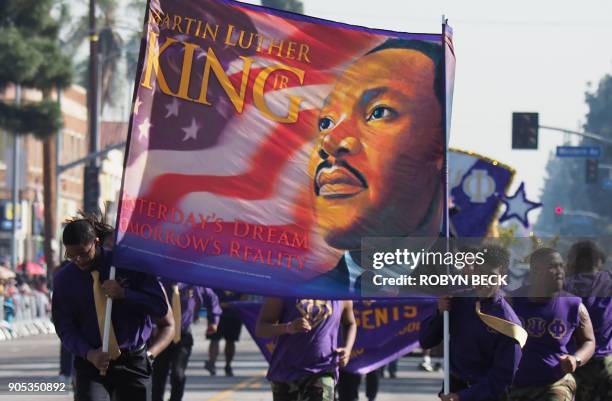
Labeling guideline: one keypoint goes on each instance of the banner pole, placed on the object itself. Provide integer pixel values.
(107, 316)
(445, 315)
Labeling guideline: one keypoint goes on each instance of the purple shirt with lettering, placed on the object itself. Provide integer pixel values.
(595, 289)
(550, 326)
(303, 354)
(480, 356)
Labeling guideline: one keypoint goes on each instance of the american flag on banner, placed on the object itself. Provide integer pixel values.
(225, 120)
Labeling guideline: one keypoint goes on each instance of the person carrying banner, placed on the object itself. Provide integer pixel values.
(586, 280)
(557, 322)
(229, 329)
(186, 302)
(307, 353)
(78, 304)
(486, 336)
(377, 167)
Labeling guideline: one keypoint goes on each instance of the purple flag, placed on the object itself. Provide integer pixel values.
(386, 330)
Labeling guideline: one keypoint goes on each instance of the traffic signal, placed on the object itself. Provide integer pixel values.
(91, 189)
(525, 130)
(592, 170)
(559, 211)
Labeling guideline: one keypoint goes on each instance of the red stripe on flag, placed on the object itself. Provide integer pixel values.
(255, 184)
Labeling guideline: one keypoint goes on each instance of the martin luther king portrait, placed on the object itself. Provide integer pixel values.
(377, 167)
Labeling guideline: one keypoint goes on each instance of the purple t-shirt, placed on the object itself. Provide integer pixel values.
(304, 354)
(550, 326)
(478, 354)
(595, 289)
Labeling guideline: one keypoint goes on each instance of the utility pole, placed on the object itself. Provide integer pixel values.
(91, 184)
(15, 185)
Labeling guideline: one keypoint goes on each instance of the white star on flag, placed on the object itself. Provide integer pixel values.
(191, 131)
(172, 108)
(143, 129)
(137, 105)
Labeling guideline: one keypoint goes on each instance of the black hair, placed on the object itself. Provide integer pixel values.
(430, 49)
(496, 256)
(540, 253)
(85, 228)
(584, 256)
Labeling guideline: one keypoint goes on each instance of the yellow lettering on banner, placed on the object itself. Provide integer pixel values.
(228, 37)
(294, 101)
(208, 31)
(365, 322)
(152, 63)
(382, 316)
(410, 311)
(213, 64)
(177, 23)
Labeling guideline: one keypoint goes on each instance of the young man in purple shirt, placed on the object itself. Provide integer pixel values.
(138, 298)
(307, 354)
(557, 323)
(594, 286)
(483, 360)
(229, 329)
(175, 358)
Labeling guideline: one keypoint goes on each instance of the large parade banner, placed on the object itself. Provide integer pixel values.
(386, 330)
(264, 145)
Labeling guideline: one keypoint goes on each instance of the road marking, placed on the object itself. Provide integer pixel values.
(224, 395)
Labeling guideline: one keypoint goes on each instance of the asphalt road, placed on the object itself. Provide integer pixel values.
(36, 360)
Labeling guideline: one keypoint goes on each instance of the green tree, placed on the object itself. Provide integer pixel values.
(585, 210)
(288, 5)
(110, 48)
(29, 39)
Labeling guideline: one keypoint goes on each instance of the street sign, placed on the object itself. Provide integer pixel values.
(579, 151)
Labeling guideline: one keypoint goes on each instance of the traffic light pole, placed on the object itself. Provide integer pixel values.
(15, 186)
(589, 135)
(92, 157)
(91, 189)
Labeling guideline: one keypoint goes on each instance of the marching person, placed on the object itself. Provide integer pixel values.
(348, 385)
(229, 329)
(78, 309)
(594, 286)
(307, 354)
(486, 336)
(557, 323)
(186, 302)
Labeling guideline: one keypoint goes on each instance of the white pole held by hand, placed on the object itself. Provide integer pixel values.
(107, 316)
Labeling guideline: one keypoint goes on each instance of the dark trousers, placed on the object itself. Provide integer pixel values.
(128, 379)
(65, 362)
(348, 385)
(172, 360)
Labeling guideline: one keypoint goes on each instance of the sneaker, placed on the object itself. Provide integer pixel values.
(208, 365)
(228, 371)
(392, 375)
(438, 367)
(426, 366)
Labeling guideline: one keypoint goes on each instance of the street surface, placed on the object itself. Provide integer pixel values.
(36, 359)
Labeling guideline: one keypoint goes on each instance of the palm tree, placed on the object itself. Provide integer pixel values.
(110, 48)
(29, 38)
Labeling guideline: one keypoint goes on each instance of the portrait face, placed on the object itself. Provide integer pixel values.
(376, 169)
